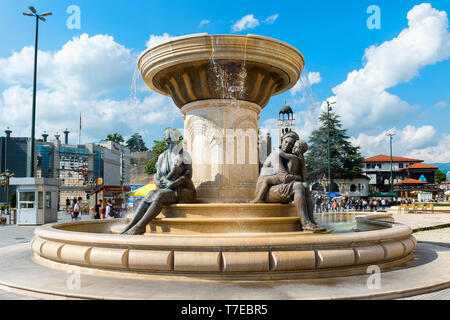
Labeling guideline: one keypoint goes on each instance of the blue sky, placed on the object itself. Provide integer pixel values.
(332, 36)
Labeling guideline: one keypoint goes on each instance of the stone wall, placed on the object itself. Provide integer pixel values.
(137, 173)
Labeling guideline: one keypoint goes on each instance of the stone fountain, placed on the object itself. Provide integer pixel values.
(221, 83)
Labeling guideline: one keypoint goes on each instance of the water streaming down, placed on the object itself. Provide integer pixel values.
(228, 84)
(133, 87)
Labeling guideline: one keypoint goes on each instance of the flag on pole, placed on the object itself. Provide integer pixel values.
(79, 137)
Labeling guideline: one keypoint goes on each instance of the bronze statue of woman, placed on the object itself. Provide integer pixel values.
(173, 179)
(291, 186)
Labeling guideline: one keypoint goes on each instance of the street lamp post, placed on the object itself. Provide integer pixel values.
(329, 152)
(390, 135)
(33, 112)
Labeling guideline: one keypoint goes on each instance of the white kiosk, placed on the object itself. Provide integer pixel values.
(37, 200)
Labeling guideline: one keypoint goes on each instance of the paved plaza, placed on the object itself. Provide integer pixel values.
(13, 235)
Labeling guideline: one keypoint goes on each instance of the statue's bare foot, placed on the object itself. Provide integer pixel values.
(124, 231)
(135, 230)
(314, 227)
(257, 200)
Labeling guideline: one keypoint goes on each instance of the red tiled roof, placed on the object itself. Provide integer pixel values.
(410, 181)
(420, 166)
(386, 158)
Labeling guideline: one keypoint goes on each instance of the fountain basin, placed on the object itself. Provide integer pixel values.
(258, 255)
(201, 66)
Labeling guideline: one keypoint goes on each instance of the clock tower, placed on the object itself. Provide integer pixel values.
(286, 121)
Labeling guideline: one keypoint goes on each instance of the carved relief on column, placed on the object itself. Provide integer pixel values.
(221, 136)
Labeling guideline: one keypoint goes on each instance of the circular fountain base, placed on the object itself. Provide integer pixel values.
(204, 247)
(46, 279)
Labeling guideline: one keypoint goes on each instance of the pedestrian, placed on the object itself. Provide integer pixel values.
(97, 209)
(109, 210)
(383, 204)
(76, 211)
(334, 205)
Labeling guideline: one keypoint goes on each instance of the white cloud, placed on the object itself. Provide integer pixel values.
(74, 79)
(203, 22)
(85, 66)
(306, 82)
(246, 22)
(56, 111)
(441, 104)
(408, 141)
(435, 153)
(363, 99)
(155, 39)
(271, 19)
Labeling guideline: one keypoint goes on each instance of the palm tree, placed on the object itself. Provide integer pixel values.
(115, 137)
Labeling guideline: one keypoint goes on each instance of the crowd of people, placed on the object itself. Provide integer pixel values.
(100, 212)
(363, 204)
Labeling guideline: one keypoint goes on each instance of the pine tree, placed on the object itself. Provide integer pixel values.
(136, 143)
(345, 158)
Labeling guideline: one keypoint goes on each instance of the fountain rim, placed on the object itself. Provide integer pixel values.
(51, 232)
(202, 34)
(170, 41)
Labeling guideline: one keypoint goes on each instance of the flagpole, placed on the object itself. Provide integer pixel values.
(79, 137)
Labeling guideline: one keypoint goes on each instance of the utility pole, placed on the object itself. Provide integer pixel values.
(329, 152)
(390, 135)
(33, 112)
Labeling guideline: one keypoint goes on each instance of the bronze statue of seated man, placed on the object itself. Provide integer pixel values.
(291, 185)
(173, 179)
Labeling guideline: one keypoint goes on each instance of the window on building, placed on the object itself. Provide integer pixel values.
(26, 200)
(400, 165)
(48, 200)
(352, 188)
(40, 200)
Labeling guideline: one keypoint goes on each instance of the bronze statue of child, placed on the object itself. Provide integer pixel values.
(296, 164)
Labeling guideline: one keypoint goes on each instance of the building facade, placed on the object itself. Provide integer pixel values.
(410, 176)
(14, 153)
(378, 170)
(77, 166)
(355, 188)
(264, 148)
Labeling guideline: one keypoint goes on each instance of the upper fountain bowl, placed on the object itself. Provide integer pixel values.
(202, 66)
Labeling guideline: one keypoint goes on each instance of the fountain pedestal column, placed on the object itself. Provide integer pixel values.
(221, 137)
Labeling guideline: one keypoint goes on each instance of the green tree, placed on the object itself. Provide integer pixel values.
(133, 161)
(115, 137)
(439, 176)
(345, 158)
(158, 148)
(136, 143)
